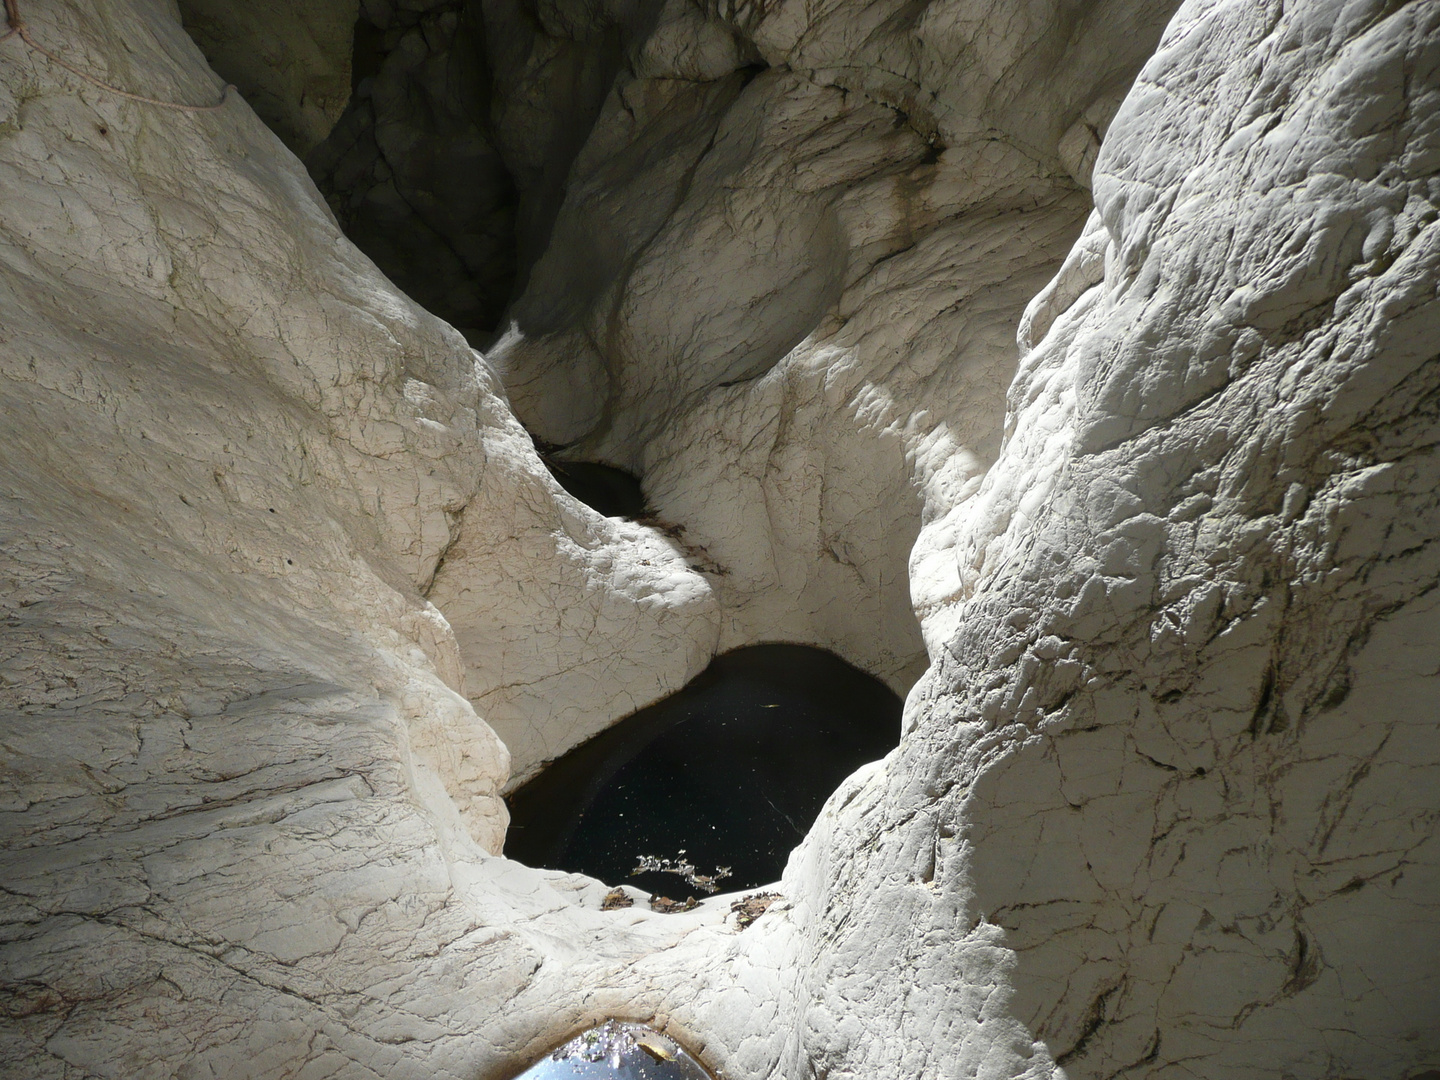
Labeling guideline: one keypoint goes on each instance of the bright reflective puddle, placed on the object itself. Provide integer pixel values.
(619, 1050)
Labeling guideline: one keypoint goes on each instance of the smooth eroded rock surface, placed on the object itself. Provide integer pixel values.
(284, 576)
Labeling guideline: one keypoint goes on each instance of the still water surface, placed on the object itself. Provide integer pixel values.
(729, 772)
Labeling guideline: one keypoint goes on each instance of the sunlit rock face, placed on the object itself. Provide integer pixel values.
(1161, 782)
(801, 336)
(768, 265)
(280, 562)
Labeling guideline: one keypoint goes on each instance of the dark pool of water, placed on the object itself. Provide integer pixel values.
(604, 488)
(732, 770)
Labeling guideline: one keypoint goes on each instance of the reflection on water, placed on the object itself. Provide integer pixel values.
(618, 1051)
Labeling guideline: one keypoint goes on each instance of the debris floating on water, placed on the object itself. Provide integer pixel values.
(617, 1050)
(684, 869)
(729, 772)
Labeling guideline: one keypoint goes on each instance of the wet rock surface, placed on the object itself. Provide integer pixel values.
(728, 773)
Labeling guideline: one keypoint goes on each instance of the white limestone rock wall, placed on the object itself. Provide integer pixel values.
(565, 621)
(1167, 801)
(634, 626)
(246, 823)
(801, 335)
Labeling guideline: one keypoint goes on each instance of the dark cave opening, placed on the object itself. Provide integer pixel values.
(730, 771)
(412, 169)
(604, 488)
(450, 163)
(367, 53)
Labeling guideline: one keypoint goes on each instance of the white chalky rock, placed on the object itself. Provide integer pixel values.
(1166, 804)
(239, 784)
(1160, 807)
(801, 335)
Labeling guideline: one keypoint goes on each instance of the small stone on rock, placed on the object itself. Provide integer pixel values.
(749, 908)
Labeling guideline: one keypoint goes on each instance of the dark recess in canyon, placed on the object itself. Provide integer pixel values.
(604, 488)
(450, 162)
(731, 771)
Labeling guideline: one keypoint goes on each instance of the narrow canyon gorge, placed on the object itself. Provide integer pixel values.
(401, 396)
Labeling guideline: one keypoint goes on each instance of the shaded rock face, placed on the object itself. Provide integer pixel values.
(290, 598)
(291, 62)
(412, 170)
(451, 162)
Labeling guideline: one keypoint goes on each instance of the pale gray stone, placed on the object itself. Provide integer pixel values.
(290, 61)
(1166, 801)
